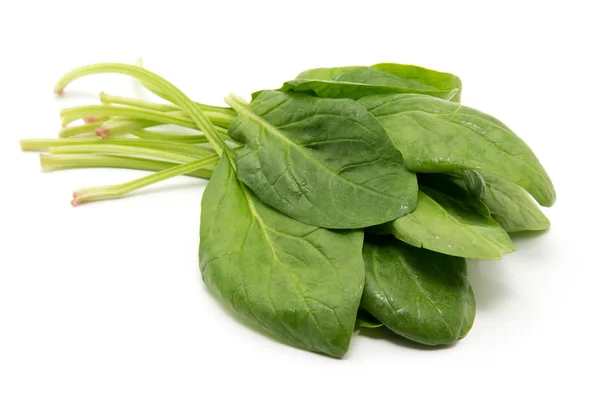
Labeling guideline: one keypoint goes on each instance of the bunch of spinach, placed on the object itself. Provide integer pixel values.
(349, 197)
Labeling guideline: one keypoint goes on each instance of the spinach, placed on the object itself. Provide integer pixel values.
(451, 226)
(301, 283)
(512, 207)
(325, 162)
(299, 173)
(507, 203)
(358, 81)
(421, 295)
(435, 135)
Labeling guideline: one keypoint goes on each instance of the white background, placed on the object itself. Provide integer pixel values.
(107, 300)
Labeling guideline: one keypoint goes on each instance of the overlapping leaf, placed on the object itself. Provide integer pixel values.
(385, 78)
(419, 294)
(435, 135)
(325, 162)
(301, 283)
(452, 226)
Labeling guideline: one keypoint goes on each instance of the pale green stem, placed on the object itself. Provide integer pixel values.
(144, 117)
(239, 104)
(115, 191)
(165, 136)
(40, 145)
(124, 126)
(116, 149)
(44, 144)
(138, 103)
(174, 95)
(57, 162)
(162, 107)
(149, 86)
(71, 114)
(68, 132)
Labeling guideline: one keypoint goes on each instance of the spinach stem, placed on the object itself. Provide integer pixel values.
(90, 120)
(57, 162)
(119, 149)
(160, 84)
(237, 103)
(162, 107)
(70, 131)
(124, 126)
(174, 117)
(138, 103)
(115, 191)
(165, 136)
(45, 144)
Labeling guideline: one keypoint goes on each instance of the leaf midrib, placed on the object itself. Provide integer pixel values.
(349, 83)
(443, 116)
(268, 126)
(264, 228)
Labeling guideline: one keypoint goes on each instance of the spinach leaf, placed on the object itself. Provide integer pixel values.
(507, 203)
(450, 225)
(512, 207)
(301, 283)
(435, 135)
(447, 86)
(325, 162)
(357, 81)
(419, 294)
(453, 184)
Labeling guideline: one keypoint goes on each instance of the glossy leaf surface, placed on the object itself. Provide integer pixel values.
(385, 78)
(419, 294)
(325, 162)
(512, 207)
(301, 283)
(435, 135)
(452, 226)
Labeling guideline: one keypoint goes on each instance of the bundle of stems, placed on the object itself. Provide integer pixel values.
(131, 133)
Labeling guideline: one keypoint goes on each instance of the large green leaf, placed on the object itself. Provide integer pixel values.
(357, 81)
(452, 226)
(435, 135)
(419, 294)
(325, 162)
(512, 207)
(301, 283)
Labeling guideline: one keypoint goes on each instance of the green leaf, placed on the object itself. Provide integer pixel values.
(442, 82)
(454, 184)
(325, 162)
(419, 294)
(357, 81)
(512, 207)
(435, 135)
(452, 226)
(507, 203)
(301, 283)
